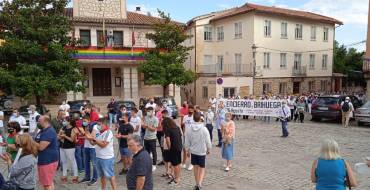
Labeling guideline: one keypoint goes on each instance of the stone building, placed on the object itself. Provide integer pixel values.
(110, 61)
(366, 65)
(254, 49)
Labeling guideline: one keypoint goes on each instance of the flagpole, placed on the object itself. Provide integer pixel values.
(132, 40)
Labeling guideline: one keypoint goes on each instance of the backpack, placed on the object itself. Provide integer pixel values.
(345, 107)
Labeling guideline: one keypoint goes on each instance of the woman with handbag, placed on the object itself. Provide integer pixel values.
(331, 171)
(23, 171)
(228, 135)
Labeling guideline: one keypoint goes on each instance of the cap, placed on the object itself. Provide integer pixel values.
(347, 98)
(32, 107)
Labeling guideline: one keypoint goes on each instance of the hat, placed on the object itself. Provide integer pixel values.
(32, 107)
(347, 98)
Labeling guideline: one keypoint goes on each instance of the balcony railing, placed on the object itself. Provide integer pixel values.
(366, 65)
(300, 71)
(225, 69)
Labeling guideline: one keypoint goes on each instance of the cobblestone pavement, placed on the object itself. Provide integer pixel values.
(264, 161)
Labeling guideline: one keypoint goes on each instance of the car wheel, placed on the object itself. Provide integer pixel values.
(359, 123)
(316, 118)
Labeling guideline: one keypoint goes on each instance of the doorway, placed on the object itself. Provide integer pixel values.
(102, 82)
(296, 87)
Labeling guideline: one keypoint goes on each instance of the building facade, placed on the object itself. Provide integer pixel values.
(257, 50)
(109, 59)
(366, 65)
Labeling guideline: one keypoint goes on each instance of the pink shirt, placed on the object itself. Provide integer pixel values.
(230, 129)
(159, 117)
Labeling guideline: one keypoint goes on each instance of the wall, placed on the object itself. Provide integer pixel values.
(291, 45)
(93, 8)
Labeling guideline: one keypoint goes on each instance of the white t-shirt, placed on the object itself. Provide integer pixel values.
(1, 120)
(87, 143)
(65, 108)
(20, 119)
(187, 121)
(108, 151)
(135, 121)
(33, 122)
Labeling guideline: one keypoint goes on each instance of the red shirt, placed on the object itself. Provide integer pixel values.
(94, 116)
(80, 137)
(184, 111)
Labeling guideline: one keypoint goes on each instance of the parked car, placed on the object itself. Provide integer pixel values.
(329, 107)
(362, 114)
(24, 111)
(171, 104)
(130, 105)
(75, 106)
(6, 104)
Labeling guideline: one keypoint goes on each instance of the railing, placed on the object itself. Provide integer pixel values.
(366, 65)
(225, 69)
(300, 71)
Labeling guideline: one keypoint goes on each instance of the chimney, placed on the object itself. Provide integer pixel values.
(138, 9)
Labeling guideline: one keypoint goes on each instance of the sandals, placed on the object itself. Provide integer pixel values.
(75, 180)
(64, 179)
(173, 181)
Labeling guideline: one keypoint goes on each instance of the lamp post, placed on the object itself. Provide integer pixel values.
(102, 8)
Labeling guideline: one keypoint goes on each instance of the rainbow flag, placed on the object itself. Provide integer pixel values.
(137, 54)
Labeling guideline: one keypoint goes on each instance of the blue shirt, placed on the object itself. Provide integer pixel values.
(330, 174)
(50, 153)
(220, 118)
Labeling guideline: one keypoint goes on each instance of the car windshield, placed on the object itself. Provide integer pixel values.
(327, 101)
(76, 104)
(24, 109)
(170, 101)
(366, 105)
(127, 104)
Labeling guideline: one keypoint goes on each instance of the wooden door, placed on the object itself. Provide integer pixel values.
(102, 82)
(296, 87)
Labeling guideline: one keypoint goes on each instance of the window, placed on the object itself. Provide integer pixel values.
(100, 38)
(266, 88)
(266, 60)
(220, 62)
(312, 61)
(311, 86)
(267, 28)
(298, 31)
(324, 85)
(283, 88)
(313, 33)
(238, 63)
(229, 92)
(207, 33)
(208, 59)
(238, 30)
(326, 34)
(220, 33)
(324, 61)
(85, 37)
(118, 38)
(297, 61)
(205, 92)
(284, 30)
(282, 60)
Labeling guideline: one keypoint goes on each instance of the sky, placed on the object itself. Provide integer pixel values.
(353, 13)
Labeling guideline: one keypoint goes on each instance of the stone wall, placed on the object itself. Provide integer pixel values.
(93, 8)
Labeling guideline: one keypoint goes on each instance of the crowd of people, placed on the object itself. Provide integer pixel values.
(83, 143)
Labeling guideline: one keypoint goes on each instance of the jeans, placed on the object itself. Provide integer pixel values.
(160, 138)
(112, 119)
(219, 133)
(210, 129)
(80, 157)
(284, 126)
(150, 147)
(90, 156)
(266, 119)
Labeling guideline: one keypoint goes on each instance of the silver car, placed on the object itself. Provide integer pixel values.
(362, 114)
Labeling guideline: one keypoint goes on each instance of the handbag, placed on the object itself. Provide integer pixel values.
(9, 185)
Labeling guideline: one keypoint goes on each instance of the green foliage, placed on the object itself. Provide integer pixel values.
(349, 62)
(164, 65)
(34, 59)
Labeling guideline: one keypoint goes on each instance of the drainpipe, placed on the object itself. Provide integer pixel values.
(195, 62)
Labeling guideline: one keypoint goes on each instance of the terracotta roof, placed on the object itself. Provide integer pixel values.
(248, 7)
(132, 18)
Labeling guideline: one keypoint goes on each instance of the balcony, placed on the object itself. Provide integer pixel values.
(300, 71)
(225, 69)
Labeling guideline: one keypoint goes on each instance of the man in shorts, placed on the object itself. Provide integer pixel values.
(104, 154)
(48, 156)
(198, 145)
(124, 131)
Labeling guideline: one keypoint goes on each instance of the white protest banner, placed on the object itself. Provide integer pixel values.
(253, 107)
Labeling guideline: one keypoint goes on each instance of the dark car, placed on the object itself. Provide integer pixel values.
(24, 111)
(130, 105)
(75, 106)
(329, 107)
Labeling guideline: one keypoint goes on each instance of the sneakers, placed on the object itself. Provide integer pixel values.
(84, 180)
(190, 167)
(154, 168)
(123, 171)
(227, 169)
(92, 182)
(183, 166)
(197, 187)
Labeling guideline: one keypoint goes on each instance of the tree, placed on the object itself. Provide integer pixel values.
(349, 62)
(164, 65)
(34, 60)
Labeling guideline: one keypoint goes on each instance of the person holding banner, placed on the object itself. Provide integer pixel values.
(220, 121)
(284, 117)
